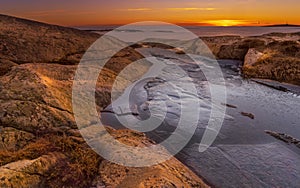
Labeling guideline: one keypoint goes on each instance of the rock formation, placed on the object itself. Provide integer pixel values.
(40, 145)
(273, 56)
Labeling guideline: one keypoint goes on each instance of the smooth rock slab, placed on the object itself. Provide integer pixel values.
(266, 165)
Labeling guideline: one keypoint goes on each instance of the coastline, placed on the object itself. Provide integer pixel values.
(263, 142)
(40, 144)
(35, 105)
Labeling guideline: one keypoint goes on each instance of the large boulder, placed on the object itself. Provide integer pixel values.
(273, 56)
(279, 60)
(252, 57)
(239, 49)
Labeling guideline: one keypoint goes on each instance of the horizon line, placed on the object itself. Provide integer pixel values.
(204, 23)
(190, 24)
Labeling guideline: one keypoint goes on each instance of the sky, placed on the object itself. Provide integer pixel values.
(189, 12)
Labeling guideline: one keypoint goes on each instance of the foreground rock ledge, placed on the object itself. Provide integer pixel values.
(40, 145)
(52, 169)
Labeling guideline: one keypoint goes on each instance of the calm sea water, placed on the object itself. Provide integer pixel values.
(242, 155)
(211, 30)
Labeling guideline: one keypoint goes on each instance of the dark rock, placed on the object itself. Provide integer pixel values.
(284, 137)
(251, 116)
(229, 105)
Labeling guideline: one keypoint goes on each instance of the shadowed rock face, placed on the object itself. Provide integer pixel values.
(40, 145)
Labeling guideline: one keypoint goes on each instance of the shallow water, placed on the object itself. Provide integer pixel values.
(242, 155)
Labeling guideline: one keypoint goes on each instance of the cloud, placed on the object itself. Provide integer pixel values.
(171, 9)
(191, 9)
(45, 12)
(56, 12)
(135, 9)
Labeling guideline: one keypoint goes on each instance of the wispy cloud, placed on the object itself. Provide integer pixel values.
(56, 12)
(135, 9)
(171, 9)
(45, 12)
(191, 9)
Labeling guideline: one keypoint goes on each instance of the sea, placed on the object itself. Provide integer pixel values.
(210, 30)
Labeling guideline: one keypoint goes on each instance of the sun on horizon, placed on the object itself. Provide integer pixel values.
(119, 12)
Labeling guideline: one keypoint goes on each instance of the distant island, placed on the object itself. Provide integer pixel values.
(282, 25)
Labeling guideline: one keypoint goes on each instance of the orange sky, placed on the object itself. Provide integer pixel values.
(201, 12)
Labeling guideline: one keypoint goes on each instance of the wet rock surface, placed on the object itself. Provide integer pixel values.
(251, 116)
(285, 87)
(265, 165)
(285, 138)
(272, 56)
(242, 155)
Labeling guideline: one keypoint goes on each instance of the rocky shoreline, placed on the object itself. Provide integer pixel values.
(40, 145)
(252, 109)
(274, 56)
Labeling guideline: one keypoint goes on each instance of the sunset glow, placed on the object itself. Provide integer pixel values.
(227, 23)
(206, 12)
